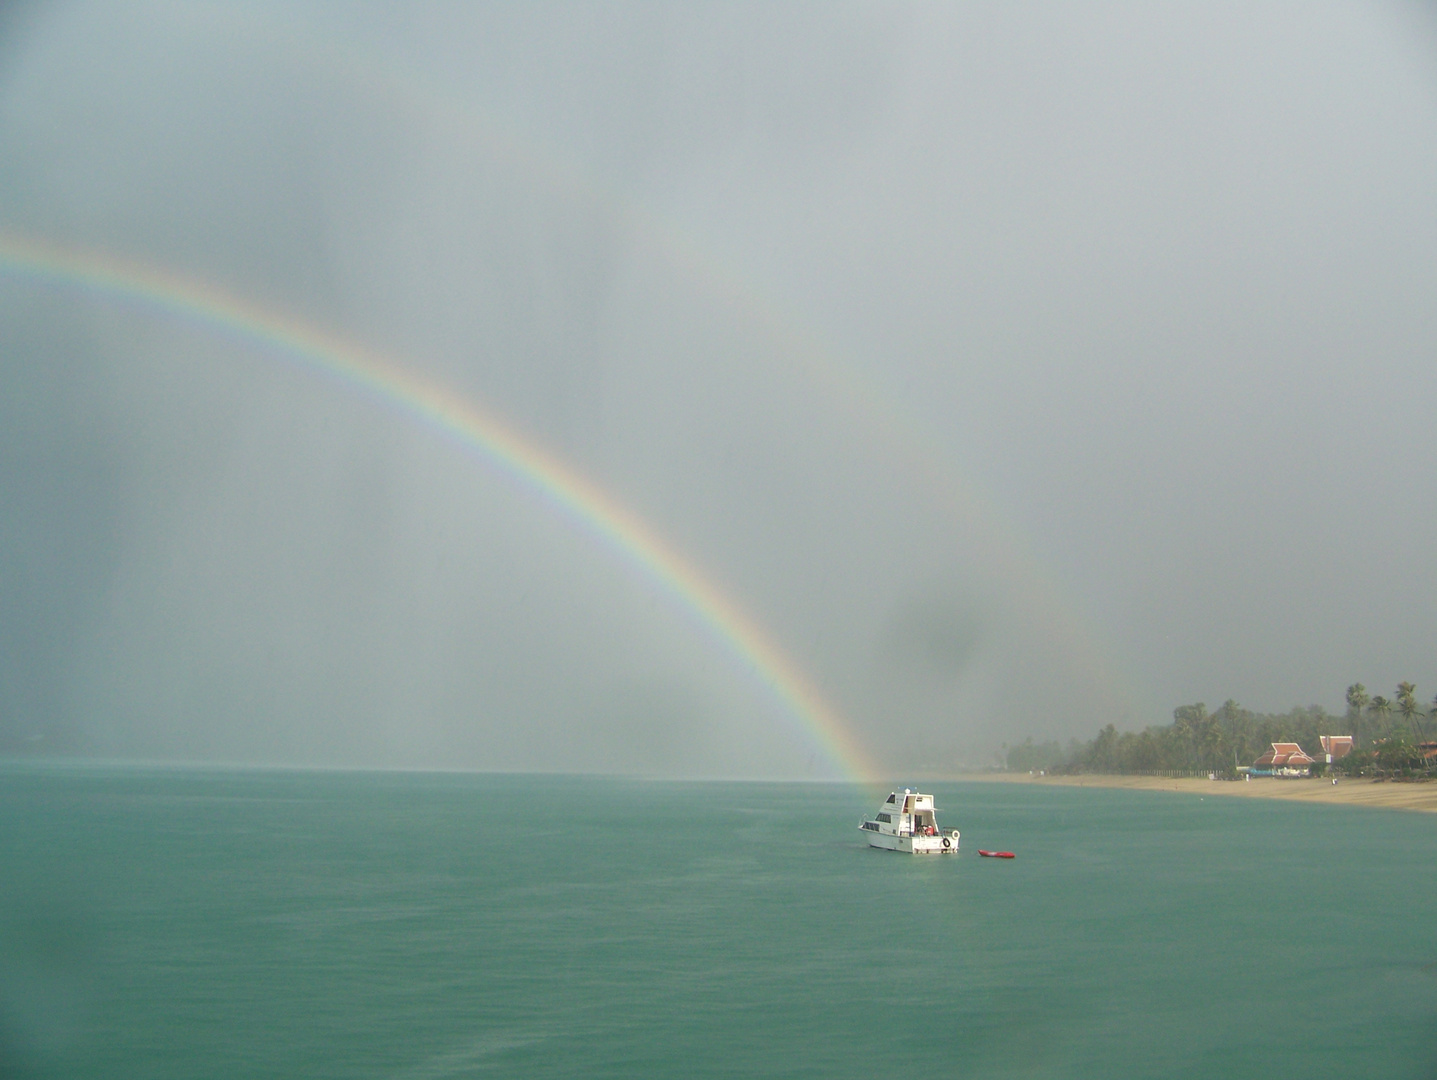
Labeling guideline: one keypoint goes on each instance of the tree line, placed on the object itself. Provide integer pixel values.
(1387, 735)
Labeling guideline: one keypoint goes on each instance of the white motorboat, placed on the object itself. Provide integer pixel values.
(905, 822)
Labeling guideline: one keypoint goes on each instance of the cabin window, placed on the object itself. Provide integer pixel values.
(890, 798)
(885, 817)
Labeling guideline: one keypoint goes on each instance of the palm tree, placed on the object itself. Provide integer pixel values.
(1407, 706)
(1380, 708)
(1427, 762)
(1188, 723)
(1357, 700)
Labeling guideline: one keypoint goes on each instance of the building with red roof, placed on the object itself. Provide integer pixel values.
(1336, 747)
(1284, 759)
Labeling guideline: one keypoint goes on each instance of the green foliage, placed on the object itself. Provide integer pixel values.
(1408, 707)
(1398, 755)
(1362, 760)
(1357, 699)
(1198, 741)
(1379, 710)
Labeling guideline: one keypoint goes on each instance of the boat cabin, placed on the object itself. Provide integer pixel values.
(909, 812)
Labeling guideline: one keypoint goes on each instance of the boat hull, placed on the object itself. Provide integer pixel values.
(946, 844)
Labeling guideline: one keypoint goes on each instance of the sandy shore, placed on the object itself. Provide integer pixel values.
(1394, 796)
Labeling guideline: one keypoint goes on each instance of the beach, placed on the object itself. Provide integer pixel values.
(1392, 795)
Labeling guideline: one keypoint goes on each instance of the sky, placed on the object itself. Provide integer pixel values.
(994, 371)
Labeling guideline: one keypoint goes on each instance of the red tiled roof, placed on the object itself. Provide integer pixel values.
(1283, 754)
(1339, 746)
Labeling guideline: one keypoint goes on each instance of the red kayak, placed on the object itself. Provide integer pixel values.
(997, 854)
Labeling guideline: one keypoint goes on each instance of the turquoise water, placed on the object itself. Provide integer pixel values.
(191, 923)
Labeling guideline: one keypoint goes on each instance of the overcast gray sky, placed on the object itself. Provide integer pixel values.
(1017, 368)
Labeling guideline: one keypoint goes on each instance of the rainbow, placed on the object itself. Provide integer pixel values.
(1083, 649)
(466, 422)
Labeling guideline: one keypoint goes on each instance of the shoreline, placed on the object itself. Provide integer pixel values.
(1386, 794)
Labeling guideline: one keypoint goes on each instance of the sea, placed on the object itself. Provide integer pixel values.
(168, 922)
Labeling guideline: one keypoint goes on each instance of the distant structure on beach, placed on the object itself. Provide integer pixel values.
(1336, 747)
(1284, 759)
